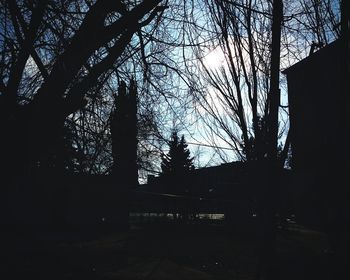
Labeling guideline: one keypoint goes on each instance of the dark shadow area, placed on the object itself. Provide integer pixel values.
(108, 110)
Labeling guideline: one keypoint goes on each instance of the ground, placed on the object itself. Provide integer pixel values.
(167, 252)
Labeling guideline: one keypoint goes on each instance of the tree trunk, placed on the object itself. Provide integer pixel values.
(266, 268)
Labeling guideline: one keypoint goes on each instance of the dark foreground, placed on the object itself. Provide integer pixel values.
(163, 252)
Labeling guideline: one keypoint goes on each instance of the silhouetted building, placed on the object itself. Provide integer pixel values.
(208, 182)
(317, 92)
(232, 188)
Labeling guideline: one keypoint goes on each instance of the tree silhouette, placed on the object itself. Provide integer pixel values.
(124, 135)
(178, 161)
(53, 64)
(66, 75)
(175, 166)
(123, 128)
(64, 155)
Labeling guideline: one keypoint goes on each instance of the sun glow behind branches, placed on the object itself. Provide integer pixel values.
(214, 59)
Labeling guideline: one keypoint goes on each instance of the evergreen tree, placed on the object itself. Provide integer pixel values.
(178, 161)
(124, 134)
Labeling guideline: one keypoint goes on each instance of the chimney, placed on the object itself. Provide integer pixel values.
(345, 18)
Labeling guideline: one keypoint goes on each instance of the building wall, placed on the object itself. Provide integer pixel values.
(315, 90)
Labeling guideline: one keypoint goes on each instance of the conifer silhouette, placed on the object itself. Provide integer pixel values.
(178, 161)
(124, 134)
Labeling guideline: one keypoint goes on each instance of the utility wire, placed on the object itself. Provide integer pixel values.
(211, 146)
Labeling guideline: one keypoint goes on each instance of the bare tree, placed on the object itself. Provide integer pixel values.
(230, 71)
(67, 70)
(56, 58)
(233, 97)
